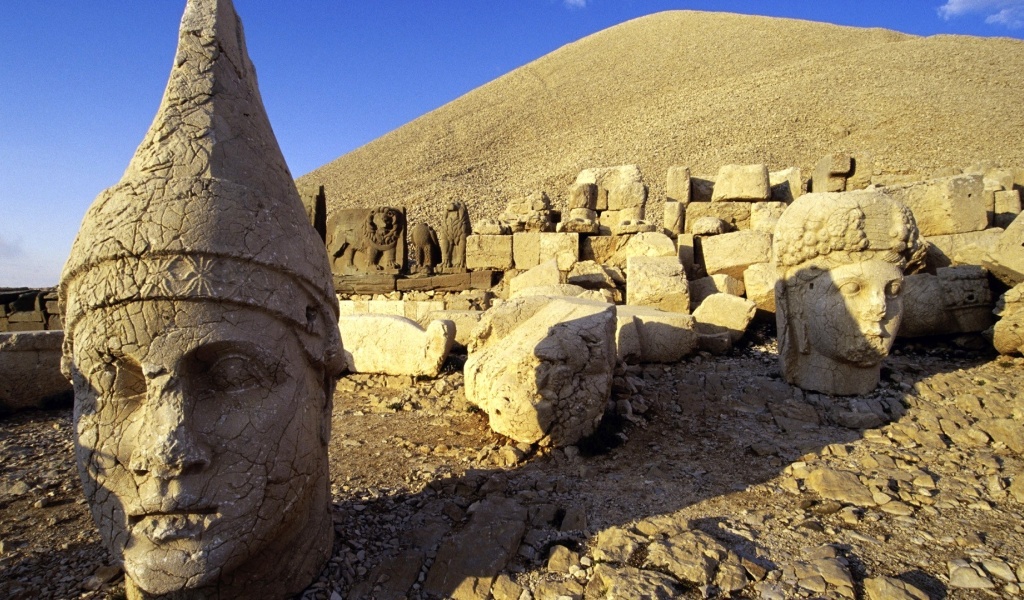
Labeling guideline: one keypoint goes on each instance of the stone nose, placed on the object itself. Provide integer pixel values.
(167, 447)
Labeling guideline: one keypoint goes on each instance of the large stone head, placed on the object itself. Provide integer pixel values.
(201, 336)
(840, 259)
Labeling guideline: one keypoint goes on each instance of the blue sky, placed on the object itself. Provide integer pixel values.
(81, 81)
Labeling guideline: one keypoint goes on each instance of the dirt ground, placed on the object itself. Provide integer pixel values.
(715, 445)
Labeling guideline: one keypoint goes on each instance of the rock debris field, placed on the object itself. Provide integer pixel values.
(714, 478)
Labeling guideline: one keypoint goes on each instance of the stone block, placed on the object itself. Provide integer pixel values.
(1006, 207)
(1008, 333)
(724, 313)
(593, 276)
(764, 215)
(583, 196)
(641, 244)
(742, 183)
(530, 249)
(364, 284)
(30, 375)
(674, 218)
(394, 345)
(583, 214)
(701, 189)
(686, 252)
(649, 335)
(489, 252)
(831, 172)
(658, 282)
(567, 290)
(954, 300)
(465, 321)
(27, 317)
(627, 195)
(732, 253)
(598, 248)
(787, 184)
(526, 249)
(618, 187)
(1007, 260)
(970, 248)
(759, 283)
(714, 284)
(542, 368)
(736, 214)
(945, 206)
(677, 186)
(545, 274)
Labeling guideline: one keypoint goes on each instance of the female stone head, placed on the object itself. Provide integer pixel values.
(201, 336)
(841, 259)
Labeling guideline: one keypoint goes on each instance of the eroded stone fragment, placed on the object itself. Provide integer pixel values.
(395, 345)
(732, 253)
(954, 300)
(541, 368)
(841, 259)
(649, 335)
(945, 206)
(658, 282)
(201, 337)
(30, 375)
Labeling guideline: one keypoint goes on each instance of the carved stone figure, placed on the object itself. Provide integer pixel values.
(367, 240)
(425, 247)
(455, 227)
(841, 259)
(201, 338)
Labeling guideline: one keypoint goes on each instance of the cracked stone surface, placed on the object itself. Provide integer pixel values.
(202, 343)
(841, 259)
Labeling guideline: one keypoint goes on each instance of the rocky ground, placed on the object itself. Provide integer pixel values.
(713, 479)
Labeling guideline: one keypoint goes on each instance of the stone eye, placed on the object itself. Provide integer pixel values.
(232, 373)
(850, 288)
(894, 288)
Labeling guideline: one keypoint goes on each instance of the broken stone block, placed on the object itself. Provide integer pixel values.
(709, 226)
(544, 274)
(394, 345)
(491, 227)
(742, 183)
(1007, 207)
(970, 248)
(649, 335)
(677, 186)
(764, 215)
(736, 214)
(759, 284)
(714, 284)
(954, 300)
(465, 321)
(592, 276)
(720, 313)
(732, 253)
(658, 282)
(831, 172)
(945, 206)
(674, 215)
(542, 368)
(568, 291)
(598, 248)
(30, 375)
(1006, 262)
(618, 187)
(1008, 333)
(583, 214)
(583, 196)
(529, 249)
(787, 185)
(489, 252)
(641, 244)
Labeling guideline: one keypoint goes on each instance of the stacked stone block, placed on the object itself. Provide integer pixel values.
(24, 309)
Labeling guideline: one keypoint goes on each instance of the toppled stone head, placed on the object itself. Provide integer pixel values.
(841, 259)
(201, 337)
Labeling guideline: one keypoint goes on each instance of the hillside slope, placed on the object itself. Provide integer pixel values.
(699, 89)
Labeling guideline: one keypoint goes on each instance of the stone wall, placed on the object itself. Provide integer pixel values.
(24, 309)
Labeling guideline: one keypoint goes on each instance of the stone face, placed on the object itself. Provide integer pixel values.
(732, 253)
(658, 282)
(541, 368)
(395, 345)
(452, 233)
(724, 313)
(840, 259)
(736, 214)
(489, 252)
(954, 300)
(945, 206)
(202, 340)
(742, 183)
(649, 335)
(1008, 333)
(30, 375)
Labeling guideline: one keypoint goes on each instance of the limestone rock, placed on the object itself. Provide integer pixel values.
(708, 226)
(610, 583)
(30, 375)
(544, 274)
(759, 282)
(465, 321)
(1008, 333)
(489, 252)
(954, 300)
(649, 335)
(787, 184)
(657, 282)
(831, 172)
(592, 275)
(617, 187)
(395, 345)
(677, 185)
(890, 588)
(765, 215)
(1007, 261)
(641, 244)
(548, 378)
(741, 182)
(965, 575)
(732, 253)
(491, 227)
(839, 485)
(568, 291)
(674, 217)
(715, 284)
(533, 248)
(736, 214)
(945, 206)
(583, 196)
(971, 248)
(724, 313)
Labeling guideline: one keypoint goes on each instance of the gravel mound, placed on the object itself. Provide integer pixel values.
(699, 89)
